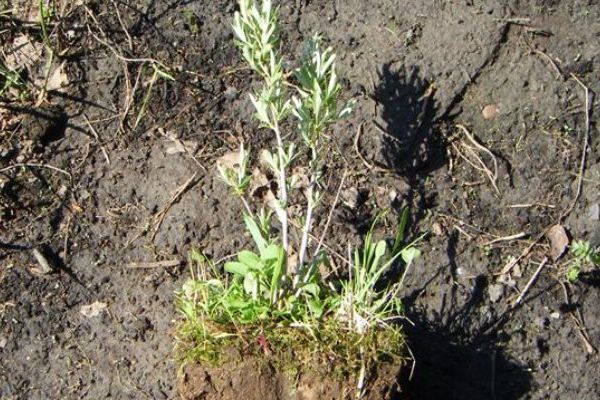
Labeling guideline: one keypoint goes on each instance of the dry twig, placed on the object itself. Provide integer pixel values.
(589, 347)
(530, 283)
(158, 218)
(104, 152)
(155, 264)
(478, 163)
(586, 139)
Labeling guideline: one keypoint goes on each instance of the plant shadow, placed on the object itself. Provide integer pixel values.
(457, 345)
(409, 145)
(451, 364)
(457, 356)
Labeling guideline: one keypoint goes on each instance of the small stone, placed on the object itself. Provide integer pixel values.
(555, 315)
(93, 310)
(495, 292)
(350, 197)
(559, 241)
(44, 265)
(3, 342)
(594, 212)
(231, 93)
(437, 229)
(507, 280)
(491, 111)
(542, 322)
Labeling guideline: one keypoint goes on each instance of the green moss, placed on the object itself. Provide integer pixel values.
(325, 349)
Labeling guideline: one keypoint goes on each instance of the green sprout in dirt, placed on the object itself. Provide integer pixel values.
(583, 256)
(11, 81)
(270, 292)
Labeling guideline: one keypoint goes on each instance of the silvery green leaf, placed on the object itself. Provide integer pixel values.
(251, 285)
(328, 62)
(332, 86)
(261, 110)
(255, 232)
(410, 254)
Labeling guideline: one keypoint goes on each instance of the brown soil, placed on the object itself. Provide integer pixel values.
(258, 379)
(418, 69)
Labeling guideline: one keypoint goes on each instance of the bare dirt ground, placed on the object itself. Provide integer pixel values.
(472, 112)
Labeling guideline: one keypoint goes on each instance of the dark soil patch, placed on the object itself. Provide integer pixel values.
(417, 68)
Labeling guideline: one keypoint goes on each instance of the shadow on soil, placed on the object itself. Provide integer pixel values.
(410, 146)
(454, 360)
(456, 357)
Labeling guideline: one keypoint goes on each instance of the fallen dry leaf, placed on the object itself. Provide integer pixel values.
(22, 52)
(300, 178)
(93, 310)
(228, 160)
(559, 241)
(58, 79)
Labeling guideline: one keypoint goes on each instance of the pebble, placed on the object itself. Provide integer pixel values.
(44, 265)
(350, 197)
(594, 212)
(555, 315)
(495, 292)
(491, 111)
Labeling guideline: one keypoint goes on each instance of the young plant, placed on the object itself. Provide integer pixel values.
(583, 256)
(315, 107)
(269, 290)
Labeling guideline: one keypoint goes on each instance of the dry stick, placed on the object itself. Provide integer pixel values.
(89, 124)
(282, 212)
(176, 196)
(309, 210)
(519, 235)
(524, 253)
(114, 51)
(589, 347)
(493, 176)
(531, 281)
(33, 165)
(156, 264)
(584, 150)
(66, 241)
(130, 97)
(359, 131)
(331, 211)
(529, 205)
(560, 75)
(129, 41)
(329, 248)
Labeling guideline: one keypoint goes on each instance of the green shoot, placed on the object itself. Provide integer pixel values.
(583, 256)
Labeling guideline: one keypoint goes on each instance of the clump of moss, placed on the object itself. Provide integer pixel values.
(327, 349)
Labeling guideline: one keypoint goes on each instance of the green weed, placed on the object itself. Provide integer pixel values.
(582, 256)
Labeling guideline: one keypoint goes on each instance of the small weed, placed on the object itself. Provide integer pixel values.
(12, 83)
(583, 256)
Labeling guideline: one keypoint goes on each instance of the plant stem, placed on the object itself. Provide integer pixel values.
(314, 170)
(282, 213)
(247, 206)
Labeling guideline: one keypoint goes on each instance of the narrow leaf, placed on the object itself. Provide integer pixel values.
(256, 233)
